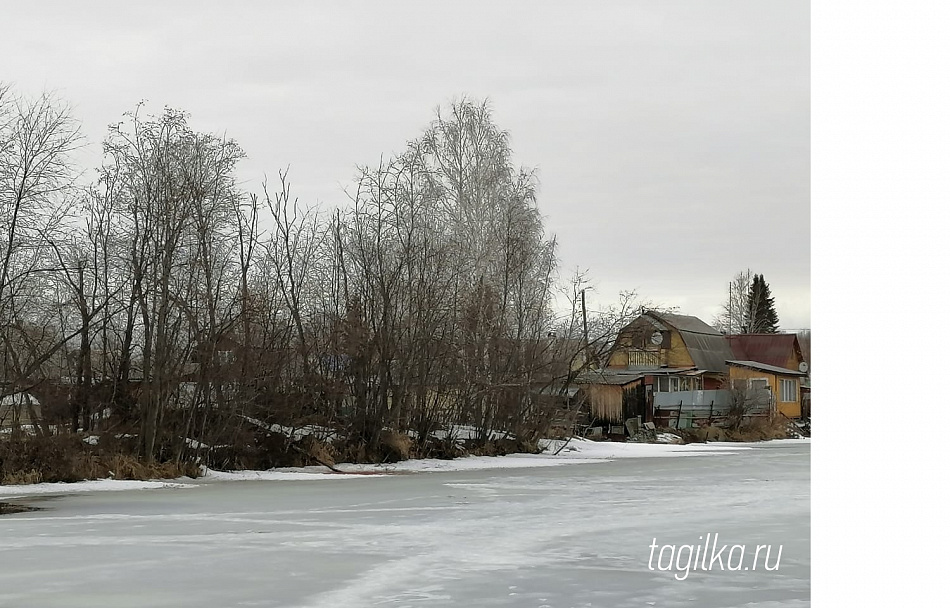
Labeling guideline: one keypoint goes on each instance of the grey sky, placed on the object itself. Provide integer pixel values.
(671, 138)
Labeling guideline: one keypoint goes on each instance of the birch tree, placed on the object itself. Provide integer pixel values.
(37, 136)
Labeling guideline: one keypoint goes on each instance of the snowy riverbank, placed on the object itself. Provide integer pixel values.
(577, 451)
(505, 537)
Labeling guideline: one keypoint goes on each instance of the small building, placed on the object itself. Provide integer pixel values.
(784, 384)
(615, 396)
(676, 370)
(656, 353)
(657, 340)
(778, 350)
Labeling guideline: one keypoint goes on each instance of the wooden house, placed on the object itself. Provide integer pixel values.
(657, 352)
(667, 367)
(783, 383)
(657, 340)
(777, 350)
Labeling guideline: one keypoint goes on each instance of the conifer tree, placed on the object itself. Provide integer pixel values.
(761, 308)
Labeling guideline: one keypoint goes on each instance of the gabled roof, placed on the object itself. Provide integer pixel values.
(771, 349)
(685, 323)
(707, 347)
(767, 368)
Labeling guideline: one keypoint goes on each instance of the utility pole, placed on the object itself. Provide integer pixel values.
(731, 318)
(584, 316)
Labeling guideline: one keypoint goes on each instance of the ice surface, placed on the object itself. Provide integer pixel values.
(551, 536)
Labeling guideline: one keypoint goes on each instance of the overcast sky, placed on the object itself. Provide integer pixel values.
(671, 139)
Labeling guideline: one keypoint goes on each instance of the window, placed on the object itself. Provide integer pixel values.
(789, 391)
(750, 384)
(669, 384)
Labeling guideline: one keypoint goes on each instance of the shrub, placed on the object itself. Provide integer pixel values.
(66, 458)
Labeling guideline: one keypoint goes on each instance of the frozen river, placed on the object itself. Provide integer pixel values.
(561, 536)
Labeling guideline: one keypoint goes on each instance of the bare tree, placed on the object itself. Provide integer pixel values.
(158, 293)
(584, 345)
(733, 317)
(175, 197)
(748, 401)
(36, 139)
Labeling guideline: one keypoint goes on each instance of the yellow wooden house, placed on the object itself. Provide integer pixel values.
(657, 340)
(784, 384)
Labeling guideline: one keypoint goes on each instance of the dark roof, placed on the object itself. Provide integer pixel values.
(708, 352)
(707, 347)
(772, 349)
(767, 368)
(685, 323)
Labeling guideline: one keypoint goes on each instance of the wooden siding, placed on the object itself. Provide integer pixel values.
(618, 360)
(792, 409)
(606, 401)
(793, 361)
(678, 354)
(637, 334)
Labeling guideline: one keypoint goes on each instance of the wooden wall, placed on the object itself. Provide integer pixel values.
(637, 336)
(792, 409)
(606, 401)
(678, 354)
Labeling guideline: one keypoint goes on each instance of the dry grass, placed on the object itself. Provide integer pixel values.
(66, 458)
(503, 447)
(18, 478)
(395, 446)
(761, 429)
(321, 452)
(390, 447)
(702, 434)
(443, 449)
(757, 429)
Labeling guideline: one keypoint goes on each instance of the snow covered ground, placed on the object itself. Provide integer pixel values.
(99, 485)
(577, 451)
(512, 531)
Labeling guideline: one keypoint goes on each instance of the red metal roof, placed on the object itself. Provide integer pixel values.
(771, 349)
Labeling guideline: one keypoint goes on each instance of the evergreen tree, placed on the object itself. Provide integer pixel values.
(761, 308)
